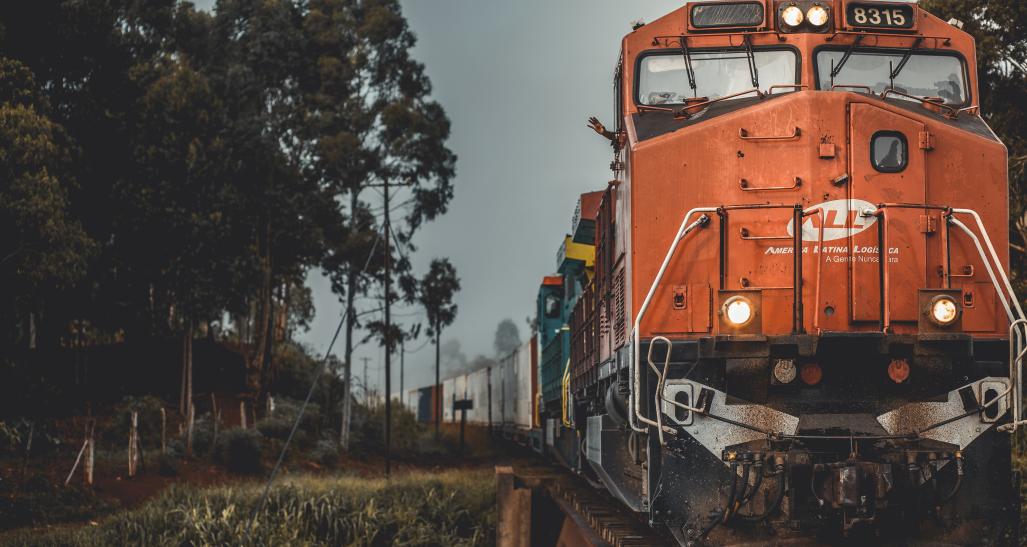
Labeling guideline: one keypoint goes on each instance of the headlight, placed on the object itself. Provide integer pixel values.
(792, 16)
(817, 16)
(944, 310)
(738, 311)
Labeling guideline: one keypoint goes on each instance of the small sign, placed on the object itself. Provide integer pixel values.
(464, 404)
(888, 16)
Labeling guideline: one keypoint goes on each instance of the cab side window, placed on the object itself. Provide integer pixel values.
(552, 306)
(889, 151)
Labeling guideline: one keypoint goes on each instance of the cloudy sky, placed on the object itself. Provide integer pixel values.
(518, 79)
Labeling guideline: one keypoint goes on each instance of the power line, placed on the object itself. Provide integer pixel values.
(303, 407)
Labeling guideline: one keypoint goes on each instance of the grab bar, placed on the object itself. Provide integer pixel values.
(746, 187)
(744, 135)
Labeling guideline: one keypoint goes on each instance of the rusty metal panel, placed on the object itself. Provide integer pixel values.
(980, 312)
(906, 253)
(692, 314)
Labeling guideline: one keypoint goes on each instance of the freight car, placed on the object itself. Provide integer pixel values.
(787, 318)
(500, 397)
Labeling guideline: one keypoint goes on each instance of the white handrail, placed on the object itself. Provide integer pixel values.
(635, 416)
(987, 266)
(994, 256)
(1017, 322)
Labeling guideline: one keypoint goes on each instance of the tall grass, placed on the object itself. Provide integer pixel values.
(416, 509)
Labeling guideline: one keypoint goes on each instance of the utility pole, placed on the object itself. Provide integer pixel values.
(388, 324)
(367, 381)
(388, 334)
(402, 362)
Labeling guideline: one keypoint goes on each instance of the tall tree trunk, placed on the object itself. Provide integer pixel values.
(438, 384)
(283, 313)
(260, 328)
(187, 369)
(351, 322)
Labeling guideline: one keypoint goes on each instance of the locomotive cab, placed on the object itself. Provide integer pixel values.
(800, 295)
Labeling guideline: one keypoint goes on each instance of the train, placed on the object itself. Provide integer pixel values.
(787, 317)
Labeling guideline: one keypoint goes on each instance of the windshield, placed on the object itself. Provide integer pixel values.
(924, 75)
(663, 78)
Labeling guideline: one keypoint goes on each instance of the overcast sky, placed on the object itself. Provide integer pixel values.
(518, 79)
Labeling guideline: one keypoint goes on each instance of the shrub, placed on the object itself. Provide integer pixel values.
(368, 430)
(275, 427)
(280, 424)
(167, 465)
(43, 500)
(203, 435)
(326, 453)
(239, 450)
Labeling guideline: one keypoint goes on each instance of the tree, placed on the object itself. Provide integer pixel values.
(177, 227)
(1000, 29)
(508, 338)
(82, 55)
(257, 63)
(438, 287)
(43, 245)
(370, 119)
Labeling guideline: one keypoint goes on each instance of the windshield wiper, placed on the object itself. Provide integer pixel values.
(751, 57)
(836, 69)
(688, 66)
(896, 70)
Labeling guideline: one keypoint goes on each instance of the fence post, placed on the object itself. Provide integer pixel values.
(163, 431)
(133, 445)
(215, 416)
(90, 453)
(191, 418)
(28, 449)
(242, 414)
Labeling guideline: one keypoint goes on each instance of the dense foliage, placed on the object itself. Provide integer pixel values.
(1000, 29)
(163, 168)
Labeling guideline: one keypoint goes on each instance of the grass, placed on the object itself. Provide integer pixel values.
(454, 507)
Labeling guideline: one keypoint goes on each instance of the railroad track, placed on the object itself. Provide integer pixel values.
(542, 505)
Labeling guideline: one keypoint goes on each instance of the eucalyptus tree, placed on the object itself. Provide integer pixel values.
(371, 120)
(437, 289)
(256, 62)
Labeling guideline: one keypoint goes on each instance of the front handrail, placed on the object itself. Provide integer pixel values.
(1018, 322)
(996, 272)
(635, 416)
(1015, 376)
(635, 413)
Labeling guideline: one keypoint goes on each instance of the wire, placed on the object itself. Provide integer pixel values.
(303, 408)
(422, 346)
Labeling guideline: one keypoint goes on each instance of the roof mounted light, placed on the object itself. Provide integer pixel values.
(792, 17)
(818, 16)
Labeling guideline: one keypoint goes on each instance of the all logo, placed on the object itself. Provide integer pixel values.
(841, 219)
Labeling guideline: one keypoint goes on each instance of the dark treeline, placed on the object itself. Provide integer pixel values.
(163, 168)
(1000, 28)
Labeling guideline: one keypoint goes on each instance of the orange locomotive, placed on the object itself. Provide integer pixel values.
(799, 324)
